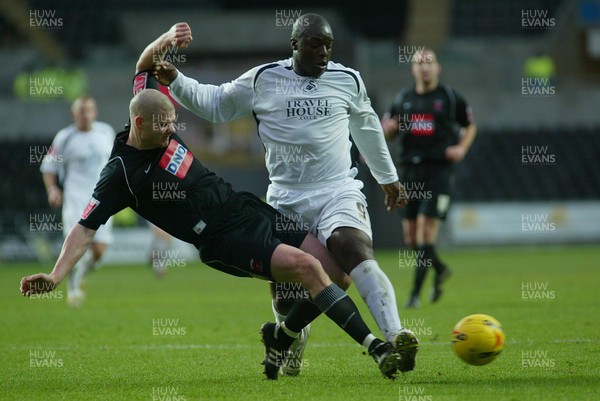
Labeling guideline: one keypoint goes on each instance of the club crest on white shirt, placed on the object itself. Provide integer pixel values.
(310, 86)
(296, 86)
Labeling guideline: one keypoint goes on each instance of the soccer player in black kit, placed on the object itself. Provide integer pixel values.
(436, 130)
(234, 232)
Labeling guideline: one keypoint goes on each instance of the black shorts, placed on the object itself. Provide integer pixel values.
(428, 187)
(244, 240)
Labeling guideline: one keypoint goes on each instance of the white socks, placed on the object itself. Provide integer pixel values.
(378, 293)
(81, 269)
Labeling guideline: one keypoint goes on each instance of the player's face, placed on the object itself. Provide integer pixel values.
(159, 129)
(312, 50)
(84, 114)
(425, 68)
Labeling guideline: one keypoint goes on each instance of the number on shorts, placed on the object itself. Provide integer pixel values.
(443, 201)
(362, 211)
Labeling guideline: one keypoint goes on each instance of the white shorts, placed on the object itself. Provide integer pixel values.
(324, 209)
(71, 216)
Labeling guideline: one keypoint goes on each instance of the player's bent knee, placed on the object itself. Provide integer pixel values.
(350, 250)
(309, 272)
(306, 265)
(293, 265)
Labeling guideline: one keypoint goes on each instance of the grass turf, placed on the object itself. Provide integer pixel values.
(194, 335)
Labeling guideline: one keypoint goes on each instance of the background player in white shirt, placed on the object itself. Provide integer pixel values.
(76, 158)
(306, 108)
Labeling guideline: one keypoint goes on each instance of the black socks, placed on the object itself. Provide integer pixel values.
(338, 306)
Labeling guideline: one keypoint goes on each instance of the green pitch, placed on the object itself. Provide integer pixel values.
(193, 335)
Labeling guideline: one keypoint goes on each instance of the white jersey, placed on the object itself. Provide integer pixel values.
(304, 123)
(77, 158)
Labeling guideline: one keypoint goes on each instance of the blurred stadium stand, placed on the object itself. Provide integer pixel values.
(482, 46)
(496, 18)
(497, 169)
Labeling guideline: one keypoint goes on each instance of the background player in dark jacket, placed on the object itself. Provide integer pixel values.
(234, 232)
(436, 130)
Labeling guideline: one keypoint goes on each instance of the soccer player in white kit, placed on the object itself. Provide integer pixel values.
(306, 108)
(76, 158)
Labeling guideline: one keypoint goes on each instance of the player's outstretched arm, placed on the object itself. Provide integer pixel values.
(179, 36)
(75, 245)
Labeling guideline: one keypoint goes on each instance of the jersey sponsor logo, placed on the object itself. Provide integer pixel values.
(308, 109)
(416, 123)
(92, 204)
(176, 159)
(139, 82)
(422, 124)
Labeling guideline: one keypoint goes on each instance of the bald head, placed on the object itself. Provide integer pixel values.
(152, 117)
(149, 102)
(307, 22)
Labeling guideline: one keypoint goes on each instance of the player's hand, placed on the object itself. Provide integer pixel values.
(395, 195)
(54, 196)
(180, 35)
(37, 284)
(165, 72)
(455, 153)
(390, 125)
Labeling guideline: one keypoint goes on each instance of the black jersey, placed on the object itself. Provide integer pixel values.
(429, 123)
(167, 186)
